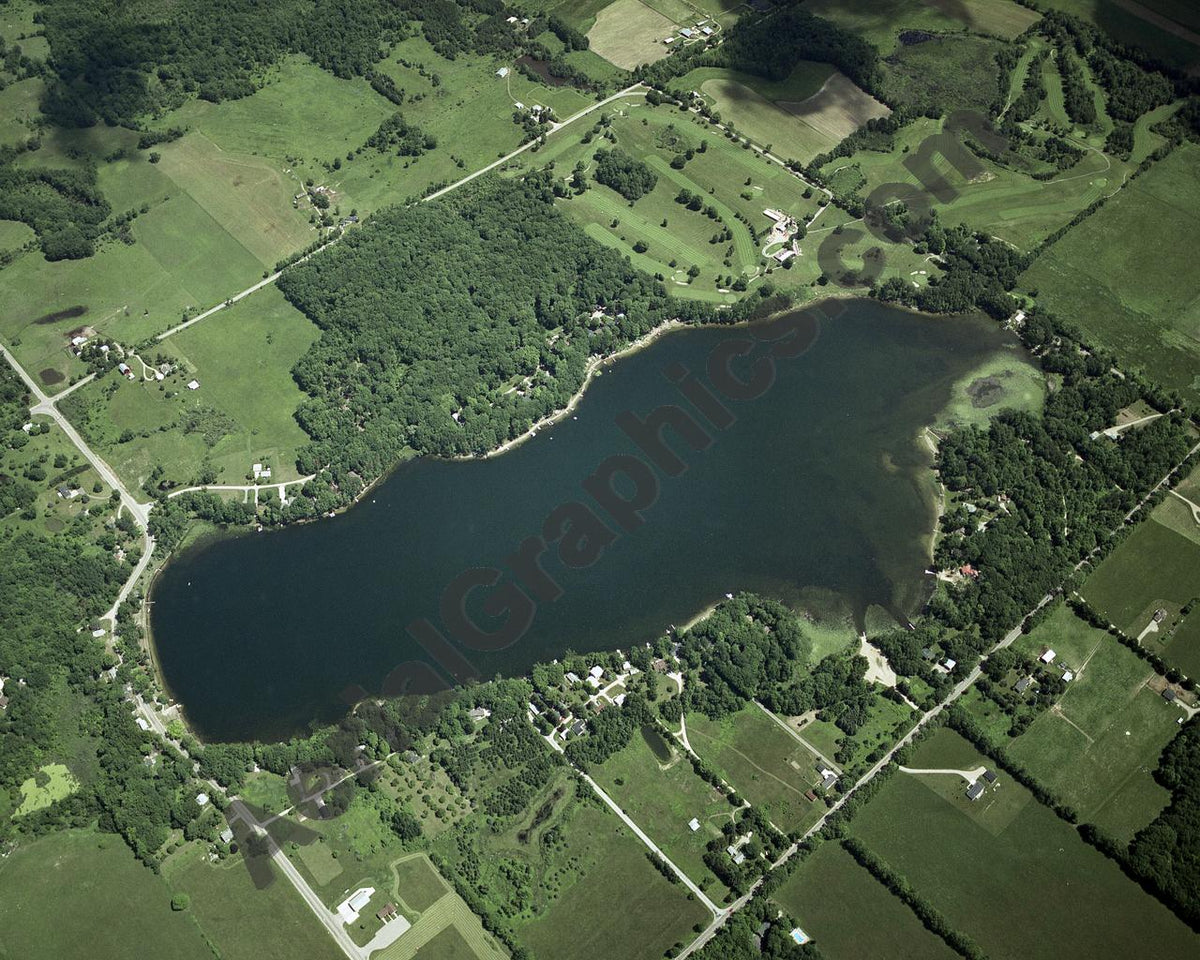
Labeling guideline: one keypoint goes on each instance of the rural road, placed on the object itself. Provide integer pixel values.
(322, 913)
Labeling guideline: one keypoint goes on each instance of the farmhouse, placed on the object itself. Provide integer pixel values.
(389, 910)
(1169, 695)
(479, 713)
(572, 677)
(975, 790)
(1023, 684)
(828, 779)
(227, 835)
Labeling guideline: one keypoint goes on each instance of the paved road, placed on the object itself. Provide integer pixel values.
(45, 407)
(327, 917)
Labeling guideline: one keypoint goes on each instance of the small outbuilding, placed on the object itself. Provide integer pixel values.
(1048, 656)
(693, 824)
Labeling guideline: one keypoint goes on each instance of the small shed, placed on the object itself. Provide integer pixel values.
(693, 824)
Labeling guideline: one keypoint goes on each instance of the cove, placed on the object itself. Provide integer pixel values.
(819, 485)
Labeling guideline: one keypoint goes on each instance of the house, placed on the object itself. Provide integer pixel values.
(1068, 676)
(1023, 684)
(572, 677)
(534, 710)
(828, 780)
(511, 20)
(593, 683)
(1048, 656)
(1160, 615)
(927, 654)
(619, 699)
(202, 799)
(949, 664)
(227, 835)
(502, 72)
(659, 665)
(518, 105)
(989, 776)
(578, 728)
(389, 910)
(693, 824)
(67, 493)
(193, 384)
(966, 569)
(1169, 695)
(145, 728)
(735, 853)
(975, 790)
(78, 342)
(811, 795)
(99, 632)
(479, 713)
(597, 672)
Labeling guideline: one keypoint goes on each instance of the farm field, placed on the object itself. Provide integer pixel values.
(628, 33)
(242, 413)
(77, 887)
(1154, 566)
(1022, 884)
(662, 798)
(1097, 748)
(242, 920)
(1007, 204)
(212, 223)
(882, 23)
(817, 895)
(808, 113)
(1139, 298)
(762, 762)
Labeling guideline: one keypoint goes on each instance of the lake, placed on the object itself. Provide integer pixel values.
(818, 488)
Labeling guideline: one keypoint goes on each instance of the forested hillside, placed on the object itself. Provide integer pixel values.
(450, 327)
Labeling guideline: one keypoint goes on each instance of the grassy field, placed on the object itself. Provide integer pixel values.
(628, 33)
(1153, 567)
(654, 914)
(882, 719)
(662, 799)
(1097, 748)
(19, 110)
(242, 413)
(1140, 298)
(762, 762)
(243, 921)
(79, 887)
(818, 893)
(1015, 877)
(1007, 204)
(418, 883)
(882, 23)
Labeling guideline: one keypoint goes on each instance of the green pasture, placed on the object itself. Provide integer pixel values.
(818, 893)
(1154, 566)
(1031, 888)
(1097, 748)
(1008, 380)
(78, 887)
(654, 914)
(19, 110)
(662, 799)
(51, 783)
(762, 762)
(241, 920)
(1140, 296)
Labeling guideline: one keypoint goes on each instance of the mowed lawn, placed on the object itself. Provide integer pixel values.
(81, 890)
(1028, 887)
(1098, 747)
(1116, 278)
(623, 907)
(820, 891)
(662, 799)
(763, 763)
